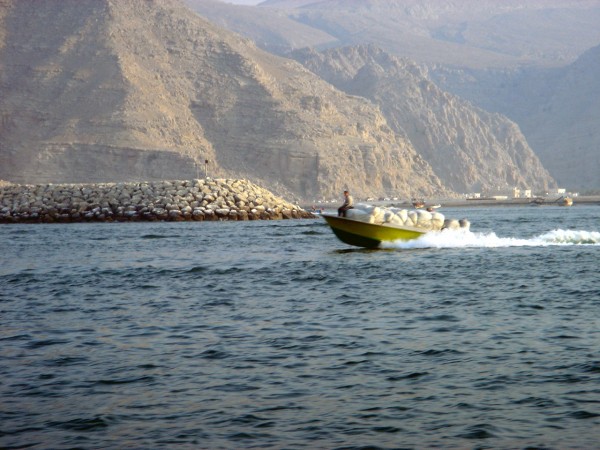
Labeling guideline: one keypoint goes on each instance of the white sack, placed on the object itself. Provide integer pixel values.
(387, 216)
(358, 214)
(412, 216)
(437, 221)
(396, 220)
(423, 218)
(451, 224)
(403, 214)
(365, 207)
(379, 215)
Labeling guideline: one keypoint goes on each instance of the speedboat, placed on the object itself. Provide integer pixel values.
(369, 235)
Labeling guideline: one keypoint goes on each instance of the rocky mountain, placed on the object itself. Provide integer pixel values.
(122, 90)
(557, 109)
(469, 148)
(512, 57)
(466, 33)
(270, 28)
(564, 126)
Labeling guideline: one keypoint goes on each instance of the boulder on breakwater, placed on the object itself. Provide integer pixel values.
(198, 200)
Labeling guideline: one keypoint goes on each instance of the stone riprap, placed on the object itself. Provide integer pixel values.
(202, 199)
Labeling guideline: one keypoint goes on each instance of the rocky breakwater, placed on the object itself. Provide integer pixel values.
(208, 199)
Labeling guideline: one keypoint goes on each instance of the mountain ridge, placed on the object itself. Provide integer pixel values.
(470, 33)
(470, 149)
(125, 90)
(556, 109)
(506, 58)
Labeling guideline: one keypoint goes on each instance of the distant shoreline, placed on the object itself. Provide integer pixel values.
(471, 203)
(591, 199)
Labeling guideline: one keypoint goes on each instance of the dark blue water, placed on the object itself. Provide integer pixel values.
(276, 335)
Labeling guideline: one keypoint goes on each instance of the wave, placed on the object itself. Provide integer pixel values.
(469, 239)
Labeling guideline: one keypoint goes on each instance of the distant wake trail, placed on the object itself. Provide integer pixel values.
(468, 239)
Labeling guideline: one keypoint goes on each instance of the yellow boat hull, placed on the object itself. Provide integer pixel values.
(369, 235)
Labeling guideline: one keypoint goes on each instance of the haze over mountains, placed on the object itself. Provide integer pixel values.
(558, 110)
(504, 56)
(470, 148)
(466, 33)
(119, 90)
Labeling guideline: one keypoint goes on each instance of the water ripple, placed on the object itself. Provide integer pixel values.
(278, 336)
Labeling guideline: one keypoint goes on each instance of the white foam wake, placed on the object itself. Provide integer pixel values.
(468, 239)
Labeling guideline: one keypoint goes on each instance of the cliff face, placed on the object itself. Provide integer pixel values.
(469, 148)
(120, 90)
(557, 110)
(512, 57)
(563, 128)
(82, 101)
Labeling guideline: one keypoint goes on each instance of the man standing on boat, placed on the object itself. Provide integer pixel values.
(348, 204)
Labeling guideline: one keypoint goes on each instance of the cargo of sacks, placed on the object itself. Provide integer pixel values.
(425, 220)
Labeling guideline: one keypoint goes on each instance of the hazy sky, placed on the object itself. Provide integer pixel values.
(243, 2)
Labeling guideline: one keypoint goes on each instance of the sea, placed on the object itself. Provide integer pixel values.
(276, 335)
